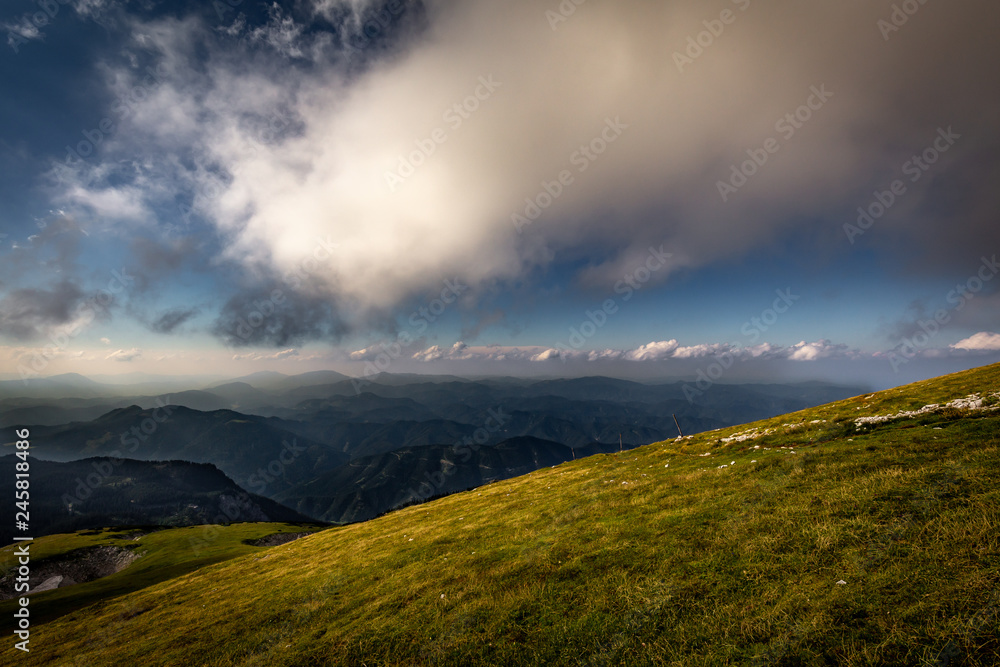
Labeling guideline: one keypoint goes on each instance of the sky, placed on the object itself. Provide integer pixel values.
(729, 190)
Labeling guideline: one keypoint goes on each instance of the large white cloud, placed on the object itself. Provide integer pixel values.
(321, 174)
(980, 342)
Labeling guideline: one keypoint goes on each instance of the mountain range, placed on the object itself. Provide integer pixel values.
(340, 450)
(97, 492)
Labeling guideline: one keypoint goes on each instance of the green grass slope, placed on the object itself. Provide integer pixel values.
(164, 553)
(800, 540)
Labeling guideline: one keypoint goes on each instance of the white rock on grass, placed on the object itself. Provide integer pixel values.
(970, 402)
(749, 435)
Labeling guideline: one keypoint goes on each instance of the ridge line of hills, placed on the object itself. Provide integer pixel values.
(339, 456)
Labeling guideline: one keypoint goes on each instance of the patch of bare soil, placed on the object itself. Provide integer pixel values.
(276, 539)
(75, 567)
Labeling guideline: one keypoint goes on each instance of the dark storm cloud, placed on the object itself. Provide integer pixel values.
(483, 321)
(172, 319)
(157, 261)
(160, 256)
(28, 313)
(53, 246)
(966, 303)
(276, 319)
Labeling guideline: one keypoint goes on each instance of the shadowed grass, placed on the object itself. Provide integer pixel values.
(165, 553)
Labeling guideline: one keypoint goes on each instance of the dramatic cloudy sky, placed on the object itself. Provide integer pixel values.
(630, 188)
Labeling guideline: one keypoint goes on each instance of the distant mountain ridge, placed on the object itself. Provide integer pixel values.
(258, 455)
(318, 444)
(102, 491)
(370, 486)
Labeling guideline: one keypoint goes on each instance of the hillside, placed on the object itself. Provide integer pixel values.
(244, 447)
(861, 532)
(369, 486)
(98, 492)
(352, 457)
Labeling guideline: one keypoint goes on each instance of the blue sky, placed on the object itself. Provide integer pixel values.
(619, 189)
